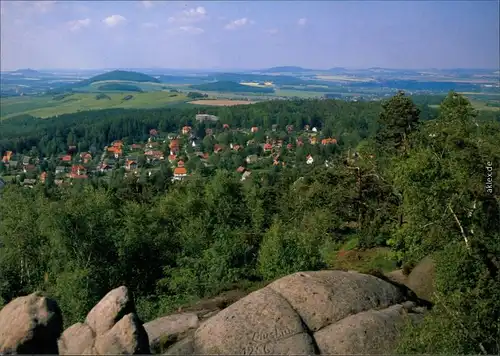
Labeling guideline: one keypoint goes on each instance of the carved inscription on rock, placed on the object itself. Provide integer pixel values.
(261, 342)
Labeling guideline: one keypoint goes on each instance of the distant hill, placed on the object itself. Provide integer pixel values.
(286, 69)
(231, 87)
(115, 75)
(27, 71)
(121, 75)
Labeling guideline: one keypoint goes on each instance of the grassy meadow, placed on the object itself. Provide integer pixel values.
(47, 106)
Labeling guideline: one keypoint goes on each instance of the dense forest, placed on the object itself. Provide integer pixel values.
(422, 182)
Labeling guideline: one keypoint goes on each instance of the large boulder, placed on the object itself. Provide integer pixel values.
(30, 325)
(309, 313)
(421, 279)
(368, 332)
(263, 322)
(167, 330)
(109, 310)
(111, 327)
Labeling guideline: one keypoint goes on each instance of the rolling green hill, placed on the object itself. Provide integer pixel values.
(113, 76)
(231, 87)
(121, 75)
(48, 105)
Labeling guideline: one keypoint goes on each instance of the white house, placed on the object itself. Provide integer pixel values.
(310, 159)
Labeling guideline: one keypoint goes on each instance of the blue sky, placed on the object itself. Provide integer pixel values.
(256, 34)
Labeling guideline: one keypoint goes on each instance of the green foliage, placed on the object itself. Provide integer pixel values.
(419, 189)
(119, 87)
(196, 95)
(465, 319)
(398, 119)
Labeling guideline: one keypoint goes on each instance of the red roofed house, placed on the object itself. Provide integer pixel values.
(236, 147)
(115, 150)
(180, 163)
(6, 158)
(78, 171)
(300, 143)
(289, 146)
(66, 158)
(240, 169)
(328, 141)
(254, 129)
(117, 143)
(179, 173)
(130, 165)
(217, 148)
(186, 130)
(172, 158)
(136, 146)
(43, 177)
(104, 168)
(225, 126)
(268, 147)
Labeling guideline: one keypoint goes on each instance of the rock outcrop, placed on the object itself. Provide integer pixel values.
(169, 329)
(111, 327)
(30, 325)
(421, 279)
(324, 312)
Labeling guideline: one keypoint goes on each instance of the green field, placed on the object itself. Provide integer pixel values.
(46, 106)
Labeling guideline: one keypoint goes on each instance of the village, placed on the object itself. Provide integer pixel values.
(184, 151)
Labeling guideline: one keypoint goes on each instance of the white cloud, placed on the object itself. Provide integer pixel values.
(78, 24)
(147, 3)
(114, 20)
(150, 25)
(238, 23)
(302, 21)
(188, 16)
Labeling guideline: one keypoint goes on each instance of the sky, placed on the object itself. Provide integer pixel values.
(250, 35)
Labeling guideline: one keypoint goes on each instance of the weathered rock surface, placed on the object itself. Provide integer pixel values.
(309, 313)
(368, 332)
(109, 310)
(76, 339)
(183, 347)
(325, 297)
(171, 327)
(111, 327)
(262, 322)
(30, 325)
(125, 337)
(421, 279)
